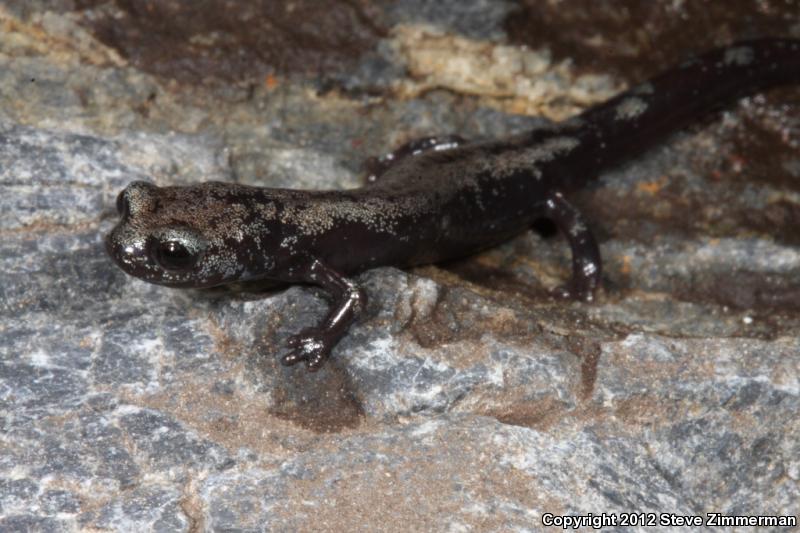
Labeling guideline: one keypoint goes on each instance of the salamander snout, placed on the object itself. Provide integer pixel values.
(137, 198)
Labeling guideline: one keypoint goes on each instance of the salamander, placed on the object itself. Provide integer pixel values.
(431, 200)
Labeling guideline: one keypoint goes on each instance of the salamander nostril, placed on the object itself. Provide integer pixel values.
(122, 204)
(138, 198)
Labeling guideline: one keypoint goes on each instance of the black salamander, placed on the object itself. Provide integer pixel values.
(433, 199)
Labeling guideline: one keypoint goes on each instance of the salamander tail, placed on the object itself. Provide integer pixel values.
(632, 122)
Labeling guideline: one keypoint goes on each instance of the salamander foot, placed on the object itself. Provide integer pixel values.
(311, 345)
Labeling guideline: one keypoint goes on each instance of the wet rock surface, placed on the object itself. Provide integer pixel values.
(466, 398)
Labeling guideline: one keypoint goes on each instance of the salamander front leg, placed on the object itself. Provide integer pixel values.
(313, 345)
(586, 262)
(376, 166)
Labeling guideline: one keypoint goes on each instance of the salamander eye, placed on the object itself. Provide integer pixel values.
(176, 249)
(173, 255)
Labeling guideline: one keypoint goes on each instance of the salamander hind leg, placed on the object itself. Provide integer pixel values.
(374, 167)
(586, 262)
(313, 345)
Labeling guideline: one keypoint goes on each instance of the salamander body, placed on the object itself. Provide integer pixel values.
(433, 199)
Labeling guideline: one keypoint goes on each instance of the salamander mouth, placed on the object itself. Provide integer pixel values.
(126, 253)
(130, 254)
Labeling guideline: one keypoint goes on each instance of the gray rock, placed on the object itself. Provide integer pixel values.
(464, 399)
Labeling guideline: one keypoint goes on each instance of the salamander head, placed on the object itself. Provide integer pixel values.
(197, 236)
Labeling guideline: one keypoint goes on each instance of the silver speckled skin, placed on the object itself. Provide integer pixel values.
(434, 199)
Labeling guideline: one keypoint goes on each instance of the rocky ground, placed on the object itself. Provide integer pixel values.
(466, 398)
